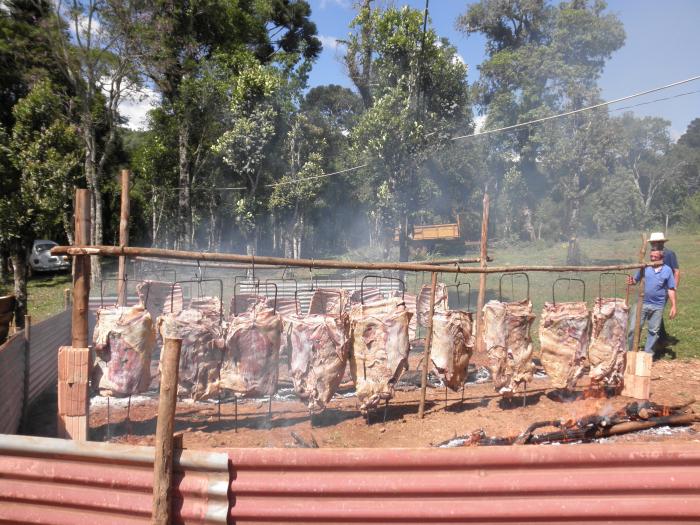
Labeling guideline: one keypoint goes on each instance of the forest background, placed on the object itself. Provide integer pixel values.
(239, 155)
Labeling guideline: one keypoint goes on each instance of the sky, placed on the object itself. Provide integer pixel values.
(662, 46)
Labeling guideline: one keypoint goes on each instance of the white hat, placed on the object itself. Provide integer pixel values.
(657, 237)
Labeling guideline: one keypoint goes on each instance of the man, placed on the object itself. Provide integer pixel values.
(657, 240)
(659, 284)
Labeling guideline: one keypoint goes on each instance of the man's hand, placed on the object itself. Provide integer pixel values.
(672, 313)
(630, 280)
(672, 298)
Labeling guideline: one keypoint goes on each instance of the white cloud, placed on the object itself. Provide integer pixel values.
(342, 3)
(135, 106)
(330, 42)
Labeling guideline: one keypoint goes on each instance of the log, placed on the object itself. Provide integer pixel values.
(123, 237)
(163, 463)
(81, 272)
(483, 255)
(132, 251)
(428, 342)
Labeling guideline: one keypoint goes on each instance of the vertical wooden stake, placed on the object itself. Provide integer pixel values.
(428, 342)
(27, 370)
(640, 296)
(163, 464)
(483, 256)
(123, 238)
(81, 276)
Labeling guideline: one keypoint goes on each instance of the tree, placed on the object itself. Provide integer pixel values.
(543, 59)
(99, 68)
(418, 91)
(176, 39)
(40, 163)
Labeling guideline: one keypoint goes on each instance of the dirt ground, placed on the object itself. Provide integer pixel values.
(341, 425)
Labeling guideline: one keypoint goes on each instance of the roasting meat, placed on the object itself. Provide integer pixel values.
(331, 301)
(508, 343)
(124, 339)
(366, 295)
(379, 356)
(410, 302)
(423, 302)
(608, 347)
(201, 329)
(245, 302)
(564, 335)
(320, 346)
(287, 308)
(251, 360)
(160, 297)
(452, 346)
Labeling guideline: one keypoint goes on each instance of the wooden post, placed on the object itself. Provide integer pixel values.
(163, 464)
(123, 238)
(640, 297)
(483, 258)
(27, 370)
(637, 378)
(428, 342)
(74, 360)
(81, 276)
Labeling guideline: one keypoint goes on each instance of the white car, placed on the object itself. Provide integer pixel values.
(41, 259)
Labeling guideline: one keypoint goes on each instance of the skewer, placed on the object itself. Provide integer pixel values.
(461, 402)
(109, 431)
(128, 418)
(269, 408)
(219, 406)
(235, 413)
(445, 396)
(386, 406)
(525, 396)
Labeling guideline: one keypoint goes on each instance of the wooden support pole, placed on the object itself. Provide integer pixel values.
(123, 237)
(483, 257)
(428, 342)
(132, 251)
(74, 361)
(640, 297)
(81, 273)
(163, 464)
(27, 370)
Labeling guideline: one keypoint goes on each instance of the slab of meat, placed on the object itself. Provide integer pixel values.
(452, 346)
(508, 343)
(160, 297)
(244, 302)
(251, 360)
(366, 295)
(287, 307)
(410, 302)
(565, 330)
(608, 347)
(330, 301)
(201, 330)
(379, 333)
(124, 339)
(320, 345)
(423, 302)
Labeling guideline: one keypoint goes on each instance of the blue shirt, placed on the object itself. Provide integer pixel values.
(656, 285)
(670, 259)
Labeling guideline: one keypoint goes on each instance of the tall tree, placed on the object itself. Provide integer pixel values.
(419, 97)
(542, 59)
(175, 39)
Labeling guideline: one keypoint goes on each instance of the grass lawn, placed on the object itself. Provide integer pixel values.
(46, 291)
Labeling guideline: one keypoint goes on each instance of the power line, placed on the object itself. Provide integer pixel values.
(573, 112)
(491, 131)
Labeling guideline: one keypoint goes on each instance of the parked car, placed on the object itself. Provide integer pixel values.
(41, 259)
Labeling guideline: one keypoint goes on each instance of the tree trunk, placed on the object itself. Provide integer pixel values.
(93, 184)
(184, 215)
(527, 223)
(573, 254)
(19, 263)
(403, 238)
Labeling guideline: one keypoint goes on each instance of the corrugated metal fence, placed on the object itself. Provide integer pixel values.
(45, 339)
(610, 483)
(60, 482)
